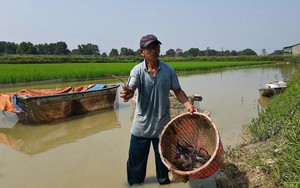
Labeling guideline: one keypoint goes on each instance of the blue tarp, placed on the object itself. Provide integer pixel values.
(15, 100)
(97, 87)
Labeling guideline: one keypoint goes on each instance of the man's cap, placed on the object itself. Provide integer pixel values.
(148, 39)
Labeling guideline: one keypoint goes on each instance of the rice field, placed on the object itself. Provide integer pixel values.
(22, 73)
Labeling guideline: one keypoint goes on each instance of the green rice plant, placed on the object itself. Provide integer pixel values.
(187, 66)
(20, 73)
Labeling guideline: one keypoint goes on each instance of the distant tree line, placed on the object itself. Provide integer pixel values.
(61, 48)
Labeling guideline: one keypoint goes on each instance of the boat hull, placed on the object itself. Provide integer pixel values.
(273, 88)
(270, 92)
(42, 109)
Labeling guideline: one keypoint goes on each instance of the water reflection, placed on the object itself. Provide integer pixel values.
(8, 119)
(264, 101)
(35, 139)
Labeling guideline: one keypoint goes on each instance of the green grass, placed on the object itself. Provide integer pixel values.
(279, 124)
(22, 73)
(270, 155)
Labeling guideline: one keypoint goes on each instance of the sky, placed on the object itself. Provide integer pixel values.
(215, 24)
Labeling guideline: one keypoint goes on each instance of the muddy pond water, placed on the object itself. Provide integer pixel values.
(91, 151)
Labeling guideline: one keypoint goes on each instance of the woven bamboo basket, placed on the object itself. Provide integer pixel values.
(197, 130)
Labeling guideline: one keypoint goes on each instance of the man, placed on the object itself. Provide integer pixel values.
(153, 79)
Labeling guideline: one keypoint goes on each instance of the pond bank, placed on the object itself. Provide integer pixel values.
(270, 154)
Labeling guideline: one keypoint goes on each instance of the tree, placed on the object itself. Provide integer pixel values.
(263, 52)
(234, 53)
(170, 53)
(46, 49)
(247, 51)
(2, 46)
(178, 52)
(61, 48)
(50, 48)
(207, 51)
(192, 52)
(277, 52)
(227, 53)
(210, 52)
(114, 52)
(127, 52)
(137, 53)
(104, 54)
(41, 48)
(88, 49)
(11, 48)
(26, 48)
(202, 53)
(8, 47)
(75, 52)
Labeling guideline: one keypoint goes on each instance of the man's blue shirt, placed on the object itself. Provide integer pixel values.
(153, 104)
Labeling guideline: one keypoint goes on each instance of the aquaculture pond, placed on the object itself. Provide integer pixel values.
(91, 150)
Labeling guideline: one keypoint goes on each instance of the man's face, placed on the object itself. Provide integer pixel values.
(151, 52)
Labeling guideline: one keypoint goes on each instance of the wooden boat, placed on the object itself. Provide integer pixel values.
(47, 105)
(273, 88)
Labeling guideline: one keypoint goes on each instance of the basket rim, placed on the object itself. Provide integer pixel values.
(170, 166)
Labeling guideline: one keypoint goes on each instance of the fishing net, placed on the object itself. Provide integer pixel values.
(190, 146)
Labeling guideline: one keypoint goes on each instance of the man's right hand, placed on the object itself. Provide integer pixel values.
(126, 93)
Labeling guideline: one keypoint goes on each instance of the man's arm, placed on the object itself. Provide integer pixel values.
(183, 99)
